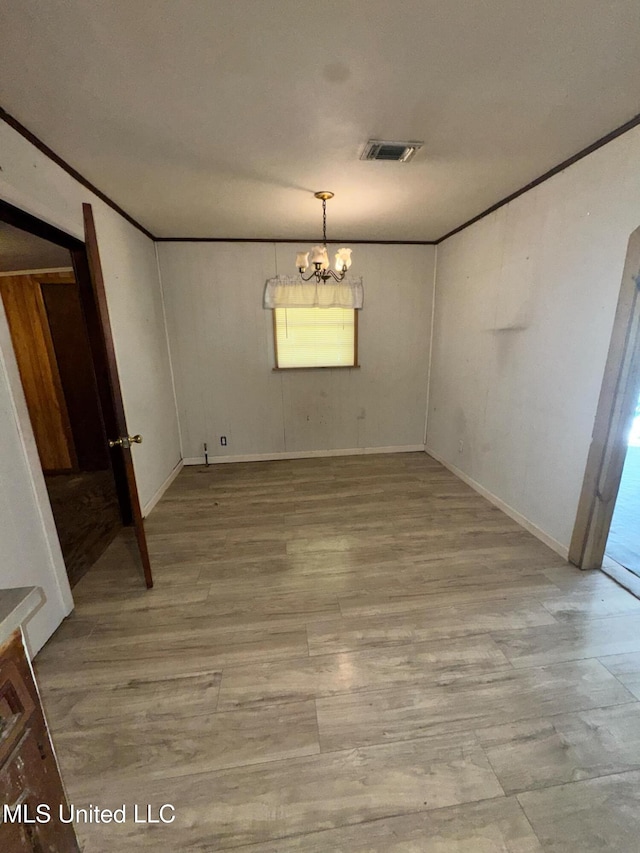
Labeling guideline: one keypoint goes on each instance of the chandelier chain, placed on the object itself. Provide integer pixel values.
(322, 271)
(324, 221)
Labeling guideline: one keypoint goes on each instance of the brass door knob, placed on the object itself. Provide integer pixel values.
(125, 441)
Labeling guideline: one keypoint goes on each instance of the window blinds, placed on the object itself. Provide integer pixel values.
(315, 337)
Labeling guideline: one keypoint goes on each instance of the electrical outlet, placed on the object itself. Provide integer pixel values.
(460, 446)
(223, 440)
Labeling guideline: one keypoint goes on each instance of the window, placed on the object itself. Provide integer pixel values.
(315, 337)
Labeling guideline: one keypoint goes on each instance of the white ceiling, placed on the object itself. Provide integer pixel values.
(219, 118)
(22, 251)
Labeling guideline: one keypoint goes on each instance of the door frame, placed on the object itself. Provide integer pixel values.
(88, 273)
(614, 416)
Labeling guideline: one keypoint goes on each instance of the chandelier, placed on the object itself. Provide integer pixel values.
(320, 257)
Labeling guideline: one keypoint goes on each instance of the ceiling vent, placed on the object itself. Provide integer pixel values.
(393, 152)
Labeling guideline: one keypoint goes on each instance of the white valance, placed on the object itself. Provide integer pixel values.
(291, 292)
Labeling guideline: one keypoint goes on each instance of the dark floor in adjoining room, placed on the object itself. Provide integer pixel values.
(350, 654)
(87, 516)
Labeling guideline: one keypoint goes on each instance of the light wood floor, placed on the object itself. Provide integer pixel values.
(351, 654)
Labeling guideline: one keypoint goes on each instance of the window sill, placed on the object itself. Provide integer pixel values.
(337, 367)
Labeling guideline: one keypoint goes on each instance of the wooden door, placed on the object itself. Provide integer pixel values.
(92, 293)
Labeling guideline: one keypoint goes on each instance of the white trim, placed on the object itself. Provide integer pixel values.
(150, 504)
(552, 543)
(620, 574)
(304, 454)
(36, 272)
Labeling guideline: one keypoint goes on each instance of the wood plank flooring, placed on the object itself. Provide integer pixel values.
(346, 655)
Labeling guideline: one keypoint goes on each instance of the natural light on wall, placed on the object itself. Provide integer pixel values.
(315, 337)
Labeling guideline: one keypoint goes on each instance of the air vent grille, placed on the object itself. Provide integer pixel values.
(394, 152)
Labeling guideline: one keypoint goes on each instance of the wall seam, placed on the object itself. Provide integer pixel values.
(433, 317)
(282, 375)
(166, 334)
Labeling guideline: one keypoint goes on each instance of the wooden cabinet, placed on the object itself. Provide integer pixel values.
(29, 775)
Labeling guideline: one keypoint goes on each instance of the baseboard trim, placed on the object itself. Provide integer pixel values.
(146, 509)
(522, 520)
(304, 454)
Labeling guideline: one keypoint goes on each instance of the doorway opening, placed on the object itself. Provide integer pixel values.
(623, 542)
(52, 351)
(599, 525)
(53, 297)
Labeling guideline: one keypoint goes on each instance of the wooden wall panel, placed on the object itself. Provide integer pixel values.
(32, 343)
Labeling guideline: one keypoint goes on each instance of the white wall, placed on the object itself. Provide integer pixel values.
(525, 301)
(222, 350)
(29, 553)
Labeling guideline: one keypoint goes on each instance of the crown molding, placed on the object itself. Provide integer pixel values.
(290, 240)
(599, 143)
(41, 146)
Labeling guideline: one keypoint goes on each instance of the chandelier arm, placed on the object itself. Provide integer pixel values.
(312, 274)
(334, 275)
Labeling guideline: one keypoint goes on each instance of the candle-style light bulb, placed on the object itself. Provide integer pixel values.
(318, 255)
(302, 261)
(343, 259)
